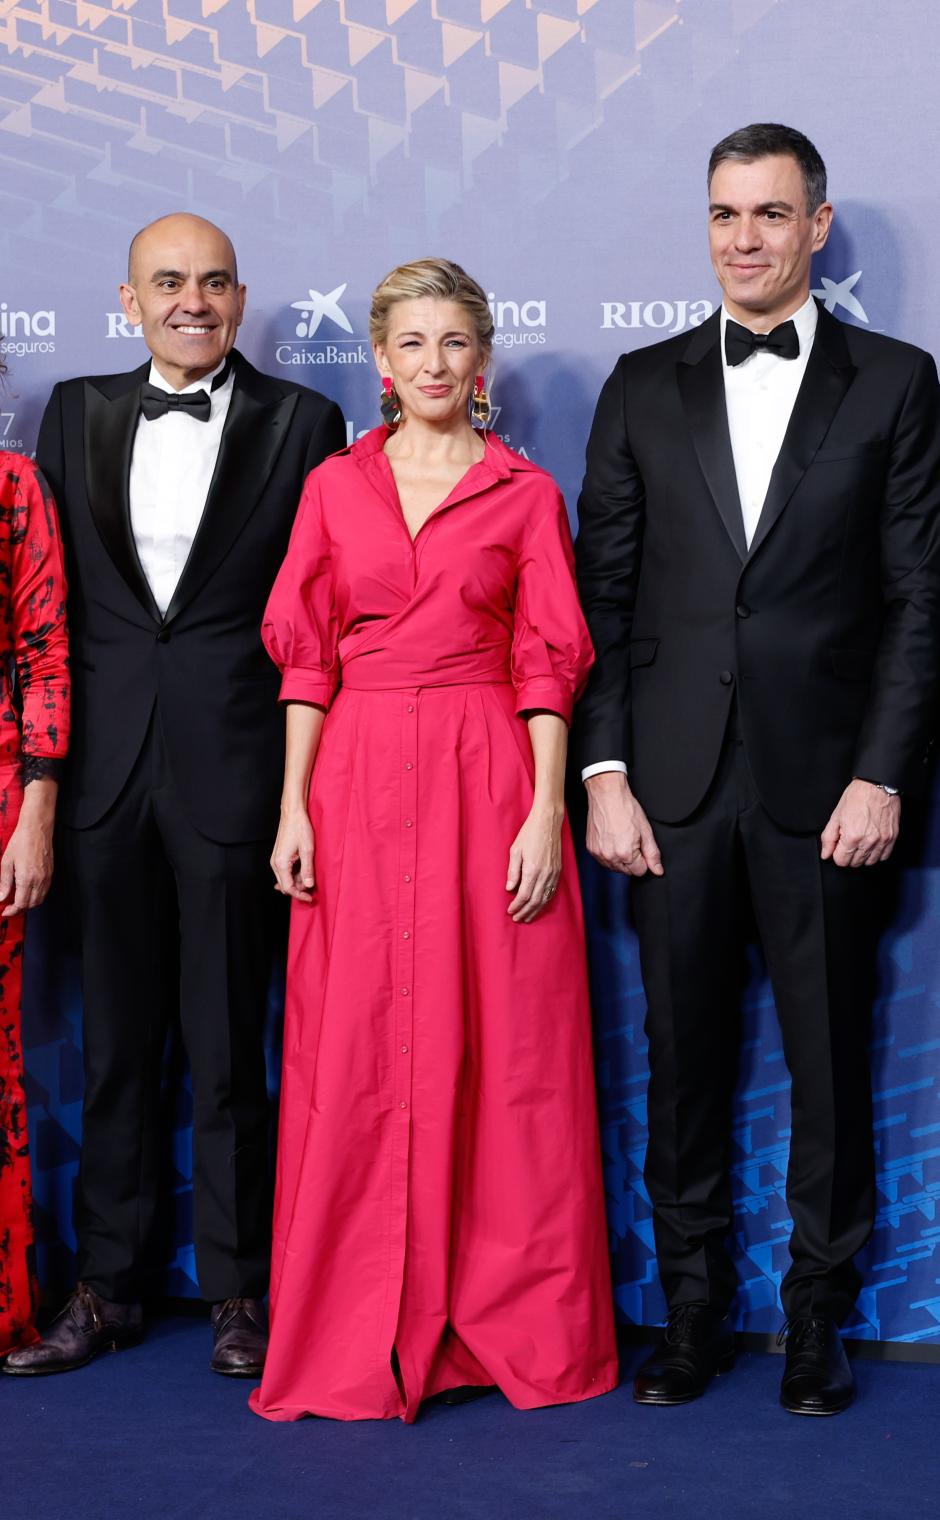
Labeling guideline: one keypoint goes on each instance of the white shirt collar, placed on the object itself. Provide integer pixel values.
(804, 321)
(205, 384)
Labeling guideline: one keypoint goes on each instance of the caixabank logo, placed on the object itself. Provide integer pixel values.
(23, 333)
(319, 329)
(840, 293)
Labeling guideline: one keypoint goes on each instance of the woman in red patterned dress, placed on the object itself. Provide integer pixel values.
(34, 714)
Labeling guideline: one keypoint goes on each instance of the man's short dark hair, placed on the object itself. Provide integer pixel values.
(767, 139)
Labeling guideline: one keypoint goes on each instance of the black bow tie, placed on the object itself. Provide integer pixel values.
(740, 342)
(155, 402)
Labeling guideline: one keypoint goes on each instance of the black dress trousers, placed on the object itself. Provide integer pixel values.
(814, 920)
(168, 914)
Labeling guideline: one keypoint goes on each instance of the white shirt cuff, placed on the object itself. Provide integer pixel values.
(603, 765)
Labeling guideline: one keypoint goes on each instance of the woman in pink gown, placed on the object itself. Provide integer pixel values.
(439, 1215)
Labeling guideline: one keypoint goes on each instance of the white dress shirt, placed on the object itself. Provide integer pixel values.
(172, 465)
(760, 395)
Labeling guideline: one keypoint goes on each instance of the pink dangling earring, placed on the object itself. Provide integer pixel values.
(389, 404)
(480, 407)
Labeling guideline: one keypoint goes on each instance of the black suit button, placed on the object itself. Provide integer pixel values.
(163, 637)
(742, 610)
(726, 678)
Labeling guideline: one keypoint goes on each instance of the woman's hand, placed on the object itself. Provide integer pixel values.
(535, 863)
(26, 867)
(292, 860)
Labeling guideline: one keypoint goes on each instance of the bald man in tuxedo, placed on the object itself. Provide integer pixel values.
(177, 484)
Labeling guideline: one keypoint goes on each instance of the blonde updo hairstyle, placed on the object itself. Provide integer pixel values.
(442, 281)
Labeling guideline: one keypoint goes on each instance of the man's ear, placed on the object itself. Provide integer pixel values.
(822, 220)
(131, 307)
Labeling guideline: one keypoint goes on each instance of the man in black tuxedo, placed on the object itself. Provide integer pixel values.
(758, 561)
(177, 486)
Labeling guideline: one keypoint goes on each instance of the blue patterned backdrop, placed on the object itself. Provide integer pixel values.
(557, 148)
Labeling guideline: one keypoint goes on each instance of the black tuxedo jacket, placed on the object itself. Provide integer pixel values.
(826, 631)
(204, 661)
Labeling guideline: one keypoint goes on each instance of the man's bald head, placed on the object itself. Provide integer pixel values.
(182, 287)
(172, 226)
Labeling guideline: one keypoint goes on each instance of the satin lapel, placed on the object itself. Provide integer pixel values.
(109, 429)
(702, 388)
(254, 432)
(829, 373)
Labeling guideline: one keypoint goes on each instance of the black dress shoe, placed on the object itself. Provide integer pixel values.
(466, 1393)
(817, 1378)
(240, 1337)
(88, 1325)
(696, 1345)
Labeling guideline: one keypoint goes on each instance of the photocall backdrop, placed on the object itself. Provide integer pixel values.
(557, 148)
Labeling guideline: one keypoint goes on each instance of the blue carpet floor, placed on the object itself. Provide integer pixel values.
(151, 1434)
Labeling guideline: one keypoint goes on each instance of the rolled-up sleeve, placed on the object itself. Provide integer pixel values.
(551, 649)
(300, 624)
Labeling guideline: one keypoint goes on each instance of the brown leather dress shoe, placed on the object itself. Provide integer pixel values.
(88, 1325)
(240, 1329)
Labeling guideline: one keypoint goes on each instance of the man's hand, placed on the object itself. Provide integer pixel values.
(618, 830)
(864, 826)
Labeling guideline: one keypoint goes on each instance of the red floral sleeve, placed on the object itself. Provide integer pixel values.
(37, 627)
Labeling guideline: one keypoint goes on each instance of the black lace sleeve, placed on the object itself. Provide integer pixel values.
(41, 767)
